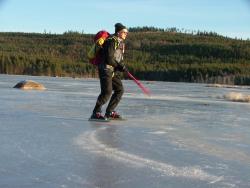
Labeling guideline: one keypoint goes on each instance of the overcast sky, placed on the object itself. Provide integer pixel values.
(226, 17)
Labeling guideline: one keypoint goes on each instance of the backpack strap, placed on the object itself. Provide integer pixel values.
(113, 37)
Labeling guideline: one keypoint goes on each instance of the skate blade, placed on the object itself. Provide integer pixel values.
(99, 120)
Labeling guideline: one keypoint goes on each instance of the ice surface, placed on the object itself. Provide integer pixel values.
(184, 135)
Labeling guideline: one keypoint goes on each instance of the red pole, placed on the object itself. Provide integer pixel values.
(144, 89)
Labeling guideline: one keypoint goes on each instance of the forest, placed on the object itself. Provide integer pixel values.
(151, 54)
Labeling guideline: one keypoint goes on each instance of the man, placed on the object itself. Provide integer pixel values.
(110, 80)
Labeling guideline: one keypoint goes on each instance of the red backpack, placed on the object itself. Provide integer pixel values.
(93, 54)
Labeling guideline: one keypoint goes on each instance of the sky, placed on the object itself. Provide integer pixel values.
(226, 17)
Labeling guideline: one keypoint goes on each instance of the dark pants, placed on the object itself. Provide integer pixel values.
(109, 83)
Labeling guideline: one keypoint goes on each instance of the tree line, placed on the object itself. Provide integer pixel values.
(151, 54)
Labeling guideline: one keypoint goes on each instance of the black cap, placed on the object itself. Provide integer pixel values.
(119, 27)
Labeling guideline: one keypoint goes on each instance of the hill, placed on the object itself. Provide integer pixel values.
(151, 54)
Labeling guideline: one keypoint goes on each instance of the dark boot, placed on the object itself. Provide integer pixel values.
(98, 116)
(113, 115)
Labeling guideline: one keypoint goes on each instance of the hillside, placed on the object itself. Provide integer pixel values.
(151, 54)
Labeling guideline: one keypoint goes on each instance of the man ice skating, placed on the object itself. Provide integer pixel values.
(110, 80)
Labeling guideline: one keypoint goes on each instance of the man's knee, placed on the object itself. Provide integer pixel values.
(106, 94)
(120, 91)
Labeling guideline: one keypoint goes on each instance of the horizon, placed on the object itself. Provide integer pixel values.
(181, 31)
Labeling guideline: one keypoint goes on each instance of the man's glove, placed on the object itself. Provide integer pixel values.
(121, 67)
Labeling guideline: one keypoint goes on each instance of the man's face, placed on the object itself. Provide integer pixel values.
(123, 34)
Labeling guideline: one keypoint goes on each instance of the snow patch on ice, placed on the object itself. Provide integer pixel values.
(237, 97)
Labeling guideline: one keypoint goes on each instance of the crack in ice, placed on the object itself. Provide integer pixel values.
(89, 141)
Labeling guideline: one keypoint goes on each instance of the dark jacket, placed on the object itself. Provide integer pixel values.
(113, 50)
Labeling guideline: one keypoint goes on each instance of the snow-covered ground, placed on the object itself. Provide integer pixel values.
(184, 135)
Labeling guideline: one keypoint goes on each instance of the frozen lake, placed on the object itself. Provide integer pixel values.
(184, 135)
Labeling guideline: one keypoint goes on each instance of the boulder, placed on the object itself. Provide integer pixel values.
(29, 85)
